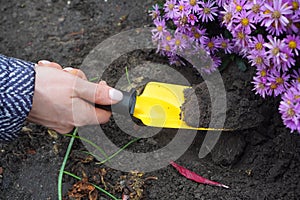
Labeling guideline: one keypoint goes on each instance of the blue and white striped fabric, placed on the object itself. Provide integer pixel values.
(16, 92)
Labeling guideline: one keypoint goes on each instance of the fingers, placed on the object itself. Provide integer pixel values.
(85, 113)
(76, 72)
(99, 93)
(46, 63)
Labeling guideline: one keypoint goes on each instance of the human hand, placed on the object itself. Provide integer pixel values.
(63, 100)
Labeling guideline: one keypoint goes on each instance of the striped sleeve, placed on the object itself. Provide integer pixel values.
(17, 79)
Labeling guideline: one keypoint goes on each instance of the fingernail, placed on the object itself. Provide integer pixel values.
(68, 69)
(115, 94)
(44, 62)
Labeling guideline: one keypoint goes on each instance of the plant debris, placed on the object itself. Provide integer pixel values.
(195, 177)
(83, 189)
(132, 185)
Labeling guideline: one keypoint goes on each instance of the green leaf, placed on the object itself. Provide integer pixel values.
(225, 62)
(227, 34)
(241, 64)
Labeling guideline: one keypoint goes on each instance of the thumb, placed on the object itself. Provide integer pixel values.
(99, 93)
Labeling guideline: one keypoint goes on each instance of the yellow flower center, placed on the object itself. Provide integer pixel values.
(273, 86)
(296, 96)
(206, 10)
(298, 79)
(167, 48)
(197, 35)
(275, 51)
(184, 20)
(259, 60)
(227, 17)
(263, 73)
(295, 5)
(193, 2)
(258, 46)
(238, 8)
(255, 8)
(171, 6)
(279, 80)
(181, 7)
(276, 14)
(184, 36)
(168, 38)
(177, 42)
(224, 44)
(290, 112)
(261, 86)
(210, 45)
(293, 44)
(159, 28)
(245, 21)
(241, 35)
(267, 12)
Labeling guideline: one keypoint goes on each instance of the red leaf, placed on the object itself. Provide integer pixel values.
(195, 177)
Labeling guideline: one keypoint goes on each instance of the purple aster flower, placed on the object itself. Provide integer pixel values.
(225, 44)
(208, 11)
(198, 34)
(244, 21)
(166, 46)
(239, 5)
(160, 29)
(257, 43)
(179, 42)
(154, 13)
(277, 82)
(193, 5)
(289, 108)
(227, 15)
(275, 12)
(182, 9)
(260, 86)
(276, 31)
(276, 48)
(290, 61)
(164, 42)
(182, 22)
(212, 44)
(293, 42)
(293, 21)
(296, 76)
(294, 4)
(211, 68)
(169, 8)
(192, 19)
(258, 59)
(241, 39)
(255, 9)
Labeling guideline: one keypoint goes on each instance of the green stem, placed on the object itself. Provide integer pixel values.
(96, 186)
(117, 152)
(62, 168)
(127, 75)
(91, 143)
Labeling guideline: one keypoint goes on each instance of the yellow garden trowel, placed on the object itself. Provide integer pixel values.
(159, 105)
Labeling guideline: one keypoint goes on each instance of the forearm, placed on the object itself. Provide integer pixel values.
(17, 80)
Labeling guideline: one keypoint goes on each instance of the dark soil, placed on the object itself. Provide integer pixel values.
(241, 112)
(259, 160)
